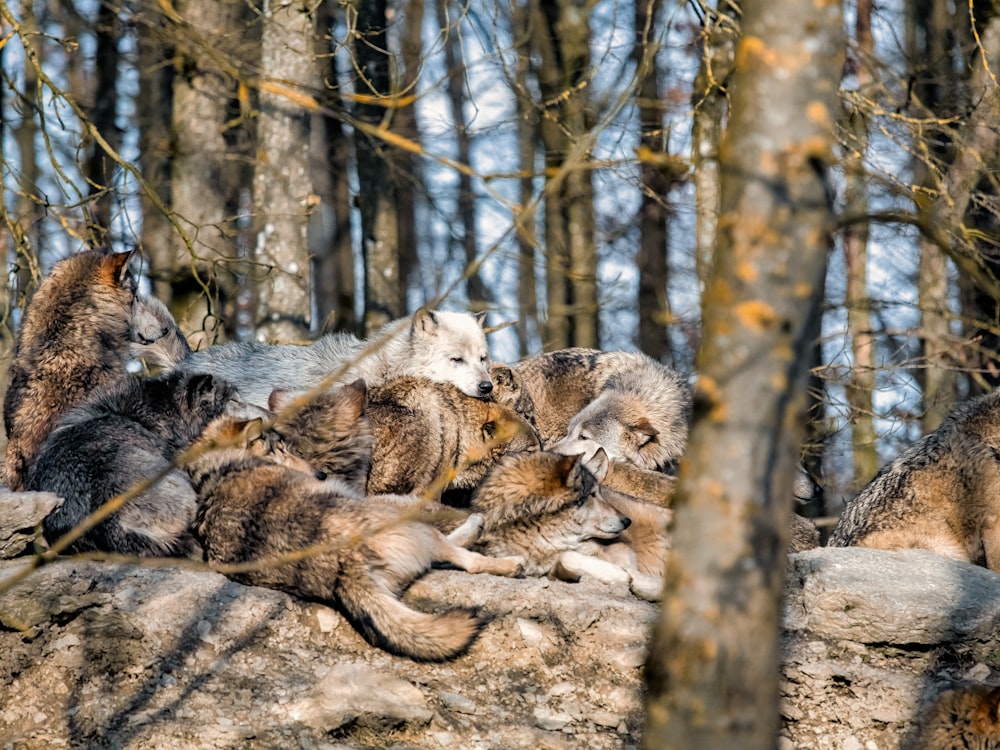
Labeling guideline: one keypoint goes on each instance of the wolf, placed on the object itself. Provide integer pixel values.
(157, 344)
(540, 505)
(359, 555)
(128, 432)
(444, 346)
(942, 494)
(330, 430)
(964, 717)
(73, 338)
(625, 402)
(425, 430)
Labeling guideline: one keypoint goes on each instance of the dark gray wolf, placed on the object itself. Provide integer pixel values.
(128, 432)
(157, 343)
(330, 430)
(425, 430)
(941, 494)
(447, 347)
(625, 402)
(538, 506)
(302, 537)
(73, 339)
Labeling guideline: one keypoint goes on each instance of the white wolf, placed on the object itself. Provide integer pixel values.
(447, 347)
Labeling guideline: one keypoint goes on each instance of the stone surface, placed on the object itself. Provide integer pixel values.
(21, 513)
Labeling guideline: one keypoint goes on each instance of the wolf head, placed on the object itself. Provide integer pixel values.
(557, 495)
(331, 431)
(157, 343)
(508, 390)
(616, 422)
(450, 347)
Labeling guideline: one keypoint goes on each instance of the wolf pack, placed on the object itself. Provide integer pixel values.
(342, 469)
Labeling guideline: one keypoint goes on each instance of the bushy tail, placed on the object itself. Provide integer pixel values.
(388, 623)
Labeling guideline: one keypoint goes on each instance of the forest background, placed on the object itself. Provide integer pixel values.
(289, 168)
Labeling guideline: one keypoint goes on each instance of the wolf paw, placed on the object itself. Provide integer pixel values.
(646, 587)
(468, 532)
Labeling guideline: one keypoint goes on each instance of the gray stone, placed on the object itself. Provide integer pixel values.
(21, 514)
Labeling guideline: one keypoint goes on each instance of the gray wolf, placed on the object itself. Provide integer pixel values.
(425, 431)
(941, 494)
(447, 347)
(157, 343)
(965, 717)
(290, 531)
(540, 505)
(73, 338)
(330, 430)
(625, 402)
(128, 432)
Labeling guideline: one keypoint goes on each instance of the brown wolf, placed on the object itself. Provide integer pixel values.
(625, 402)
(359, 555)
(329, 430)
(74, 338)
(540, 505)
(942, 494)
(424, 429)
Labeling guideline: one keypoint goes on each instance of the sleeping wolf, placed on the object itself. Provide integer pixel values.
(74, 338)
(425, 429)
(964, 717)
(942, 494)
(538, 506)
(128, 432)
(157, 343)
(447, 347)
(360, 555)
(625, 402)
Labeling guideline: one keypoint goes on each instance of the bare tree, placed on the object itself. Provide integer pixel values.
(712, 670)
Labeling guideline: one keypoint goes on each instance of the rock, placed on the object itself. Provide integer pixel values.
(21, 515)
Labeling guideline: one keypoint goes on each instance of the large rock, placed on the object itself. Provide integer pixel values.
(21, 515)
(151, 657)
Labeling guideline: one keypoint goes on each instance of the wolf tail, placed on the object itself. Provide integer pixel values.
(388, 623)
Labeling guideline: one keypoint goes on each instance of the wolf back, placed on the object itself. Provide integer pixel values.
(443, 346)
(941, 494)
(74, 338)
(129, 432)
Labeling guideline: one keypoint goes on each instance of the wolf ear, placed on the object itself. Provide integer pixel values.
(244, 431)
(481, 318)
(114, 268)
(644, 427)
(503, 376)
(424, 321)
(599, 464)
(355, 394)
(565, 466)
(279, 399)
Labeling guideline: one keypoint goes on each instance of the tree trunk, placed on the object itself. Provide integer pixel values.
(562, 36)
(656, 182)
(282, 187)
(466, 203)
(376, 195)
(100, 170)
(712, 670)
(710, 107)
(861, 383)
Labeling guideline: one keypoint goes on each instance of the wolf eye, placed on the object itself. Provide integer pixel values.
(483, 358)
(457, 360)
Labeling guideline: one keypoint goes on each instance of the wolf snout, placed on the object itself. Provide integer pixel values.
(485, 387)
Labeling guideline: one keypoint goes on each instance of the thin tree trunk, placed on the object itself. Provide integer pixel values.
(100, 170)
(282, 186)
(466, 203)
(376, 195)
(710, 106)
(712, 670)
(656, 182)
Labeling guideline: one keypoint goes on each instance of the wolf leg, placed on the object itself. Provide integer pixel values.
(991, 542)
(473, 562)
(572, 565)
(468, 532)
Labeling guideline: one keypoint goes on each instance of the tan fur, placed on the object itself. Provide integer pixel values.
(73, 339)
(538, 505)
(358, 555)
(423, 430)
(962, 718)
(942, 494)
